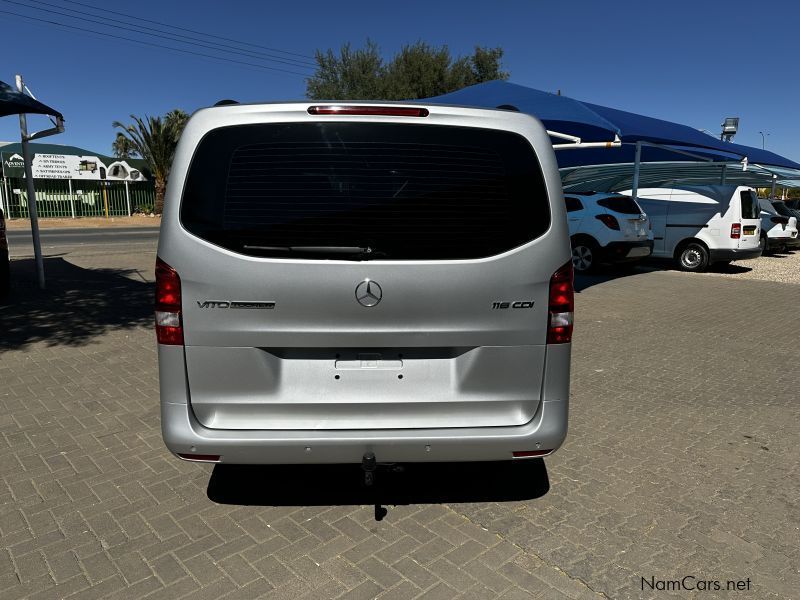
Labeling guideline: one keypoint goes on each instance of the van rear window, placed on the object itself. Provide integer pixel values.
(750, 208)
(781, 209)
(621, 204)
(400, 192)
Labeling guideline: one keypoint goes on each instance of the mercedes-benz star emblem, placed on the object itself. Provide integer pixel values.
(368, 293)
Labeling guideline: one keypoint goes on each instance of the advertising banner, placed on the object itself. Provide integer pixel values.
(69, 166)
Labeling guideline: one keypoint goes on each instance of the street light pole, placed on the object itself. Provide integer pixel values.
(762, 140)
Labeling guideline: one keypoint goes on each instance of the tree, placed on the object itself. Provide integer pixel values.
(353, 75)
(121, 147)
(417, 71)
(155, 140)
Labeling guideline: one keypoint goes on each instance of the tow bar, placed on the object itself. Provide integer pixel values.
(369, 465)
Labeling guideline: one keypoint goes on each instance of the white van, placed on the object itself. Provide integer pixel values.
(701, 225)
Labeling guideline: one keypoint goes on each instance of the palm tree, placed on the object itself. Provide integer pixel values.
(155, 140)
(121, 147)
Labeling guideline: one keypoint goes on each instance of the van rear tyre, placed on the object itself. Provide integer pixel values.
(5, 276)
(762, 243)
(693, 258)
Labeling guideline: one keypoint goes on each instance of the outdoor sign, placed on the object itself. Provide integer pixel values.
(69, 166)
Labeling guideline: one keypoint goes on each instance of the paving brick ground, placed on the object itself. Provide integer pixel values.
(682, 460)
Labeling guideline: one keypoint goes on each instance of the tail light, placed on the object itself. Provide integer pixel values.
(561, 306)
(385, 111)
(169, 326)
(780, 220)
(609, 221)
(736, 231)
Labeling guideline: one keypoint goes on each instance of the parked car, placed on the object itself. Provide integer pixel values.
(5, 266)
(792, 213)
(778, 231)
(363, 283)
(697, 226)
(606, 227)
(796, 214)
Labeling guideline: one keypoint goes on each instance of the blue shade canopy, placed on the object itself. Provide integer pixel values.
(595, 123)
(619, 176)
(558, 113)
(635, 128)
(13, 102)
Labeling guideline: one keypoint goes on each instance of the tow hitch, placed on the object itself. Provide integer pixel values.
(369, 465)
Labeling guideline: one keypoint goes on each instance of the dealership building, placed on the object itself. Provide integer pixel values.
(73, 182)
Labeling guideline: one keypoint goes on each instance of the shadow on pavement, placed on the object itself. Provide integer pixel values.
(604, 273)
(77, 305)
(414, 483)
(732, 268)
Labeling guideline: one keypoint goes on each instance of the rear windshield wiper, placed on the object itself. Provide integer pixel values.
(351, 251)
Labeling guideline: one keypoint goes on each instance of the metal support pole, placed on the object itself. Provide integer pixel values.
(128, 198)
(71, 198)
(774, 183)
(26, 155)
(724, 173)
(8, 197)
(637, 165)
(104, 186)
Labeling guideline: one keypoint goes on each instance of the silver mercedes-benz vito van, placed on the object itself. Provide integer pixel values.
(343, 280)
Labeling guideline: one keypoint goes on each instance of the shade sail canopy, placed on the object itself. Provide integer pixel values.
(13, 102)
(619, 176)
(595, 123)
(558, 113)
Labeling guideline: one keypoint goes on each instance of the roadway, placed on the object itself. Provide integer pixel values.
(91, 241)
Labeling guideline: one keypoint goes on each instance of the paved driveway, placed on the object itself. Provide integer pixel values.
(682, 460)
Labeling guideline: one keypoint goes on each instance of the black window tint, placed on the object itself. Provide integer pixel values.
(404, 191)
(573, 204)
(781, 209)
(750, 208)
(621, 204)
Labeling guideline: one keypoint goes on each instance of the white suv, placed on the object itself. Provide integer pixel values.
(606, 227)
(778, 226)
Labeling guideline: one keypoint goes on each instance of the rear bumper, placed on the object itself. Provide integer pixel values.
(183, 434)
(734, 254)
(622, 251)
(777, 237)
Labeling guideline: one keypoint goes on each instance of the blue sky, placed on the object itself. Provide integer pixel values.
(693, 62)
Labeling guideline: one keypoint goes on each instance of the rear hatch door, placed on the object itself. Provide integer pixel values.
(365, 275)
